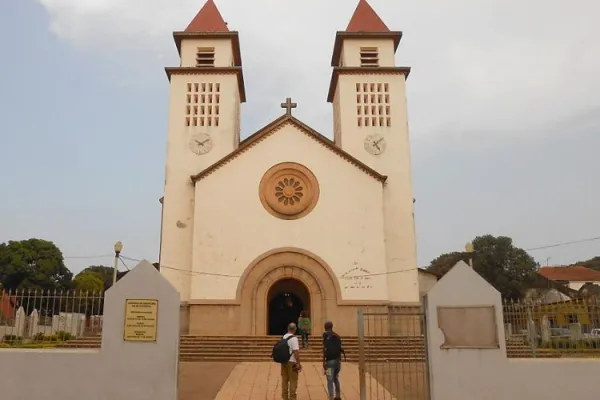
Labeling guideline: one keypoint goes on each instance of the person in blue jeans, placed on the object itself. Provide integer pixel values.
(332, 361)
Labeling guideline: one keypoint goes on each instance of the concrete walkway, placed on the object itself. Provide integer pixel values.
(254, 381)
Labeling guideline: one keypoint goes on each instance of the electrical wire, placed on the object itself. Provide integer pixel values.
(592, 239)
(123, 262)
(192, 273)
(121, 257)
(88, 257)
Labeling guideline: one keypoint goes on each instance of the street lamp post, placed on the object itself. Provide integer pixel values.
(118, 249)
(470, 249)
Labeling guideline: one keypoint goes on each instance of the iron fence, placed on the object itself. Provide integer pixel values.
(568, 328)
(49, 316)
(393, 354)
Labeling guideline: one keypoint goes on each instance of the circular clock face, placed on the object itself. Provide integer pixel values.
(375, 144)
(201, 143)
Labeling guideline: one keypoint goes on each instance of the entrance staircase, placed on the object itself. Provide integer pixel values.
(258, 348)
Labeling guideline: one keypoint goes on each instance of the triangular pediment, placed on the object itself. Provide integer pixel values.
(272, 129)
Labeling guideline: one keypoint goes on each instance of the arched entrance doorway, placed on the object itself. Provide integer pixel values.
(286, 263)
(285, 300)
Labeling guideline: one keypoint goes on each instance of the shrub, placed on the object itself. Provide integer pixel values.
(40, 337)
(64, 336)
(12, 339)
(568, 344)
(31, 345)
(39, 345)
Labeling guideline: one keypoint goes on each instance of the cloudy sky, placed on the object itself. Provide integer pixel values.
(504, 114)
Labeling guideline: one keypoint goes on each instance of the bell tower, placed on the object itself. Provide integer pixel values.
(206, 92)
(368, 93)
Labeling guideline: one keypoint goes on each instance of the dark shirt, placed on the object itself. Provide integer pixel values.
(325, 337)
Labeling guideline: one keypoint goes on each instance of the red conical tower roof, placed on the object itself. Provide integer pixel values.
(365, 19)
(208, 19)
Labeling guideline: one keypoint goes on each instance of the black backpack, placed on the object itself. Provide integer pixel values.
(281, 351)
(332, 346)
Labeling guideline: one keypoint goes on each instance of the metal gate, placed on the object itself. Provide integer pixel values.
(393, 361)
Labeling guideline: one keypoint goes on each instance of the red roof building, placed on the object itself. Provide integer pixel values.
(7, 305)
(574, 276)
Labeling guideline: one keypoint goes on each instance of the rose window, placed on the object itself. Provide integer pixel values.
(289, 191)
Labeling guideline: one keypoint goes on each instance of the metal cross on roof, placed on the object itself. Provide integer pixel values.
(288, 105)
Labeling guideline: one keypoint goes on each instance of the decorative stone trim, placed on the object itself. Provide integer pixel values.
(272, 128)
(170, 71)
(231, 35)
(340, 36)
(337, 71)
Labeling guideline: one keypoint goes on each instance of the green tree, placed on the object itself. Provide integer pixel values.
(33, 264)
(511, 270)
(89, 281)
(105, 273)
(88, 296)
(122, 274)
(445, 262)
(592, 263)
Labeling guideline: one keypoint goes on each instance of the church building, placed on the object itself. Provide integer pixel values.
(255, 231)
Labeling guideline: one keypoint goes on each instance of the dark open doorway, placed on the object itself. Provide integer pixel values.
(286, 299)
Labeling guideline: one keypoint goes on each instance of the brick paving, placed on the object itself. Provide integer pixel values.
(254, 381)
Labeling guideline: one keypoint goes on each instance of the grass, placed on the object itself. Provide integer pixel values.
(30, 345)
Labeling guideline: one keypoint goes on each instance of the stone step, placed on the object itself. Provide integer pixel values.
(274, 339)
(267, 348)
(314, 339)
(312, 346)
(269, 338)
(271, 342)
(258, 357)
(267, 351)
(258, 348)
(278, 337)
(315, 342)
(407, 343)
(302, 351)
(270, 345)
(267, 342)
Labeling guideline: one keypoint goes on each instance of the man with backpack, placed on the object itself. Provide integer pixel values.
(287, 353)
(332, 360)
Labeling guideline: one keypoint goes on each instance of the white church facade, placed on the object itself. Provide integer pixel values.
(254, 231)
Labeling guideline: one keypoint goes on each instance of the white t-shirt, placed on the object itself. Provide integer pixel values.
(293, 344)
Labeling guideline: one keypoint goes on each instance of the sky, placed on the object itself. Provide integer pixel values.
(504, 114)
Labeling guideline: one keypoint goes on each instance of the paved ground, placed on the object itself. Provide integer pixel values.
(405, 381)
(254, 381)
(202, 380)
